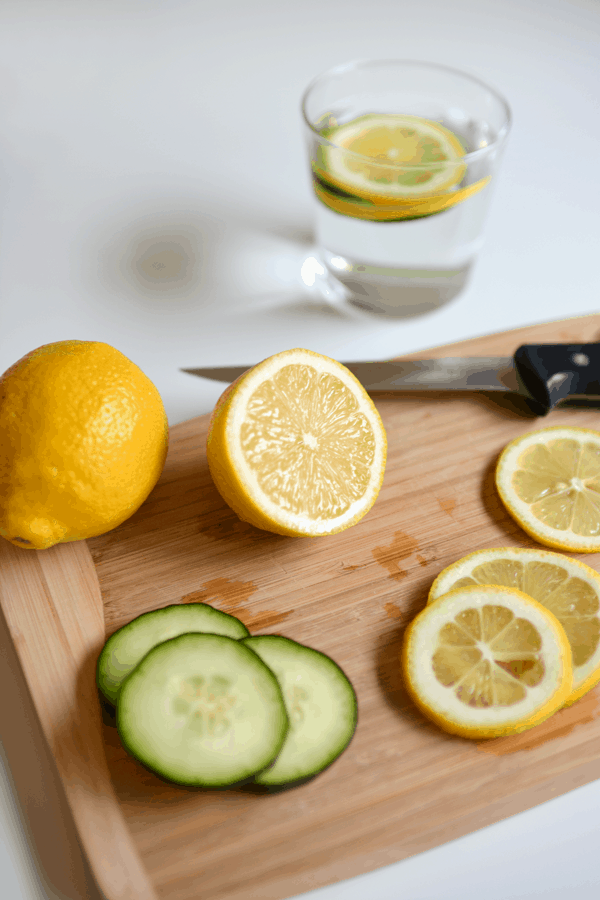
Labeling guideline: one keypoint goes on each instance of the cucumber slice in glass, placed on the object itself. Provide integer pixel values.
(202, 709)
(321, 706)
(127, 646)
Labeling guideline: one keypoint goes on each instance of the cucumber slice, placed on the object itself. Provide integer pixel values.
(127, 646)
(202, 709)
(321, 706)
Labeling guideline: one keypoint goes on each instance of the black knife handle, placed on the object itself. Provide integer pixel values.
(554, 372)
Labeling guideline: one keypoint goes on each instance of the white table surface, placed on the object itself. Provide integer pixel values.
(126, 124)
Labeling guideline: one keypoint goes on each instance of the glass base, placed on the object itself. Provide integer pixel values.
(400, 293)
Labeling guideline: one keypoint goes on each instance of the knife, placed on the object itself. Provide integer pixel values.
(544, 375)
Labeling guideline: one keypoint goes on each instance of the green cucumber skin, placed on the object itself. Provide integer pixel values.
(204, 643)
(203, 618)
(274, 650)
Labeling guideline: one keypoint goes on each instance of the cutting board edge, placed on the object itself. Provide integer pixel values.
(358, 861)
(58, 663)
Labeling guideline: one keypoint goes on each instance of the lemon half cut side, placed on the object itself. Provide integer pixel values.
(549, 481)
(296, 446)
(486, 661)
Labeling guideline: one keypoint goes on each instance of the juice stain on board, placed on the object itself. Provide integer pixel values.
(389, 557)
(447, 505)
(232, 597)
(393, 611)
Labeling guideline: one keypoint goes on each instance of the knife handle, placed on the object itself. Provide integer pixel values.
(554, 372)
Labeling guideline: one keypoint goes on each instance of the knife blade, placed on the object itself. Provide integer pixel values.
(545, 375)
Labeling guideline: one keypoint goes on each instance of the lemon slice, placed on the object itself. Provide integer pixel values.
(565, 586)
(388, 157)
(486, 661)
(549, 481)
(296, 446)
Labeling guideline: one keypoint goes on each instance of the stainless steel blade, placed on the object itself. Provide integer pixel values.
(447, 374)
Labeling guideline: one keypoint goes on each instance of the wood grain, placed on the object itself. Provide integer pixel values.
(402, 786)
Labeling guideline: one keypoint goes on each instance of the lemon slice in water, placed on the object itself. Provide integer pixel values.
(565, 586)
(486, 661)
(296, 446)
(390, 157)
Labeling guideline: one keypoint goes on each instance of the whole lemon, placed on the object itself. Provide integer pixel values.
(83, 440)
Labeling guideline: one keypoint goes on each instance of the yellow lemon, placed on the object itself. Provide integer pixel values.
(549, 481)
(565, 586)
(485, 661)
(83, 440)
(296, 446)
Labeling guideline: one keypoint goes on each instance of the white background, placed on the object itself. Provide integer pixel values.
(125, 123)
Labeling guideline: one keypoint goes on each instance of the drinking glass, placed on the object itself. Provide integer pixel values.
(399, 224)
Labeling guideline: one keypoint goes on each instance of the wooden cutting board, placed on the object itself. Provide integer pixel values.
(402, 786)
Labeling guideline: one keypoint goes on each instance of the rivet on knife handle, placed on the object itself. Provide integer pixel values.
(555, 372)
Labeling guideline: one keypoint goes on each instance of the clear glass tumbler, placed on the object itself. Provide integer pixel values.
(403, 156)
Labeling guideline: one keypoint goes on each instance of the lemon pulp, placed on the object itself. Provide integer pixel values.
(572, 600)
(311, 457)
(561, 483)
(296, 446)
(487, 655)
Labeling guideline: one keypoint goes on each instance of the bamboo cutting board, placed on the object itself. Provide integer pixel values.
(402, 786)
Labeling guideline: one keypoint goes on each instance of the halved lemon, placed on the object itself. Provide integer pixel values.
(549, 481)
(565, 586)
(485, 661)
(296, 446)
(383, 156)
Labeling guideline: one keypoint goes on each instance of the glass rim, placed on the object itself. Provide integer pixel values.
(373, 63)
